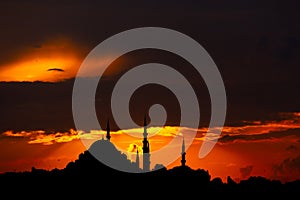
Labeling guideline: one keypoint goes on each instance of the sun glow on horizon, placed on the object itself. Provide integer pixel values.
(239, 148)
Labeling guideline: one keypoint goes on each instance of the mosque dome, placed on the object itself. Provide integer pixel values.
(107, 153)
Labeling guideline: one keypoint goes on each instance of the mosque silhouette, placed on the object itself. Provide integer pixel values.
(106, 152)
(88, 175)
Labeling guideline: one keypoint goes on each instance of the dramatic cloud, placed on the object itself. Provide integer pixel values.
(251, 131)
(41, 137)
(257, 137)
(258, 130)
(59, 54)
(260, 69)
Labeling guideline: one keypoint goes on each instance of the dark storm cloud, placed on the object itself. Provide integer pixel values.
(254, 44)
(215, 23)
(36, 106)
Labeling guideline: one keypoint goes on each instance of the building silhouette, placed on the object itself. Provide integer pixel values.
(108, 131)
(146, 149)
(137, 160)
(183, 161)
(106, 152)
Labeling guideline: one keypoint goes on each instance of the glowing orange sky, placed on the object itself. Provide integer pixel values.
(53, 61)
(261, 149)
(255, 46)
(256, 148)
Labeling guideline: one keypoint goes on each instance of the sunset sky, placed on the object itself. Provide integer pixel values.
(255, 45)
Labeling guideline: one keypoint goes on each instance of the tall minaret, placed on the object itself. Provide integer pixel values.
(183, 161)
(107, 131)
(146, 151)
(137, 159)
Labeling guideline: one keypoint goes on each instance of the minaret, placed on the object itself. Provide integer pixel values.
(146, 154)
(137, 159)
(183, 161)
(107, 131)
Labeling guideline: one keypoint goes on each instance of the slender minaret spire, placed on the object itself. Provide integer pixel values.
(146, 150)
(183, 146)
(137, 159)
(107, 131)
(145, 127)
(183, 161)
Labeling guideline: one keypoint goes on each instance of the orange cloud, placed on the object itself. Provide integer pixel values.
(157, 134)
(56, 60)
(268, 148)
(160, 136)
(263, 130)
(41, 137)
(35, 63)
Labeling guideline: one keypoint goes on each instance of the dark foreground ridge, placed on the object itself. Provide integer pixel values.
(87, 174)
